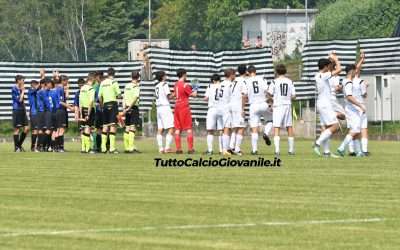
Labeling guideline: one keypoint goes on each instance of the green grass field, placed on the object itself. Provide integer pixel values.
(73, 201)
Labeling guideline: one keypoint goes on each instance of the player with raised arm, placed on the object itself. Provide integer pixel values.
(165, 117)
(87, 113)
(20, 119)
(224, 109)
(214, 117)
(324, 105)
(354, 110)
(237, 104)
(182, 112)
(283, 92)
(257, 89)
(131, 112)
(109, 92)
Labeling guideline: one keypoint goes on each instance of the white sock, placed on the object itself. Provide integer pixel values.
(239, 139)
(326, 146)
(291, 144)
(220, 143)
(210, 139)
(326, 134)
(267, 128)
(254, 139)
(364, 144)
(160, 141)
(232, 141)
(276, 143)
(351, 146)
(225, 142)
(168, 141)
(345, 142)
(357, 146)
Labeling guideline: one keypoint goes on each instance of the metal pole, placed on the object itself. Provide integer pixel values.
(149, 23)
(382, 84)
(307, 23)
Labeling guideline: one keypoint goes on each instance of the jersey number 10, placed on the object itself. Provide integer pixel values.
(284, 89)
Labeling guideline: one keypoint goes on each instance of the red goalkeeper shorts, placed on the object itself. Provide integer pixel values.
(182, 118)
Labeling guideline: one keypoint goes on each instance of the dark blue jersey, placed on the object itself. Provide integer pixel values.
(54, 98)
(33, 101)
(44, 100)
(76, 98)
(16, 94)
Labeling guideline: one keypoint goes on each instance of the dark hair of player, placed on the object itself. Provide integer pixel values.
(91, 76)
(135, 75)
(242, 69)
(229, 72)
(159, 75)
(215, 78)
(81, 82)
(280, 69)
(57, 81)
(47, 80)
(64, 78)
(323, 62)
(111, 72)
(252, 69)
(180, 73)
(34, 82)
(349, 68)
(99, 73)
(19, 78)
(42, 81)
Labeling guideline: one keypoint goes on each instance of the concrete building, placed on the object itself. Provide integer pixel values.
(281, 29)
(137, 46)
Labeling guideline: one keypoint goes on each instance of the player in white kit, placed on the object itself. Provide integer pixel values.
(354, 110)
(165, 117)
(324, 105)
(225, 110)
(283, 92)
(237, 103)
(257, 89)
(214, 118)
(364, 120)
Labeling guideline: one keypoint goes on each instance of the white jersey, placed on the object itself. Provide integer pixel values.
(257, 88)
(334, 82)
(282, 89)
(352, 89)
(363, 88)
(212, 93)
(225, 95)
(323, 89)
(162, 91)
(238, 89)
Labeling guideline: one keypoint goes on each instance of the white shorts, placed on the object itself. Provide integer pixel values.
(165, 117)
(282, 116)
(238, 120)
(214, 120)
(258, 110)
(337, 107)
(353, 118)
(364, 121)
(327, 115)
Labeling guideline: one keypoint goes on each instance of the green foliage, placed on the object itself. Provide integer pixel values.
(349, 19)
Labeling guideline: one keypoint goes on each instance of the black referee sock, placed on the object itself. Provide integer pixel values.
(98, 142)
(16, 139)
(21, 139)
(61, 138)
(33, 141)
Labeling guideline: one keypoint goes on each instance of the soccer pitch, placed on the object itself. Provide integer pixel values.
(73, 201)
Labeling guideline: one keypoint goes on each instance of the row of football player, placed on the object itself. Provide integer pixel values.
(355, 92)
(226, 103)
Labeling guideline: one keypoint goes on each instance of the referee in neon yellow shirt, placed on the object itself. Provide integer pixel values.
(87, 112)
(131, 112)
(109, 92)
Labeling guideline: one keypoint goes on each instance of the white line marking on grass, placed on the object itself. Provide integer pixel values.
(188, 227)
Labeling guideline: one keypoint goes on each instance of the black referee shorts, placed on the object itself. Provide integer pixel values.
(61, 118)
(19, 118)
(110, 112)
(90, 121)
(132, 117)
(34, 121)
(98, 119)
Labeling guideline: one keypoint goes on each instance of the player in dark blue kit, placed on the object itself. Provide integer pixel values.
(20, 120)
(33, 113)
(55, 105)
(44, 114)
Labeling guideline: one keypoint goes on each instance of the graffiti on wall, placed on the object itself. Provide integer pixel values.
(277, 40)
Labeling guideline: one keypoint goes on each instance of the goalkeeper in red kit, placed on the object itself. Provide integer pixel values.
(182, 113)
